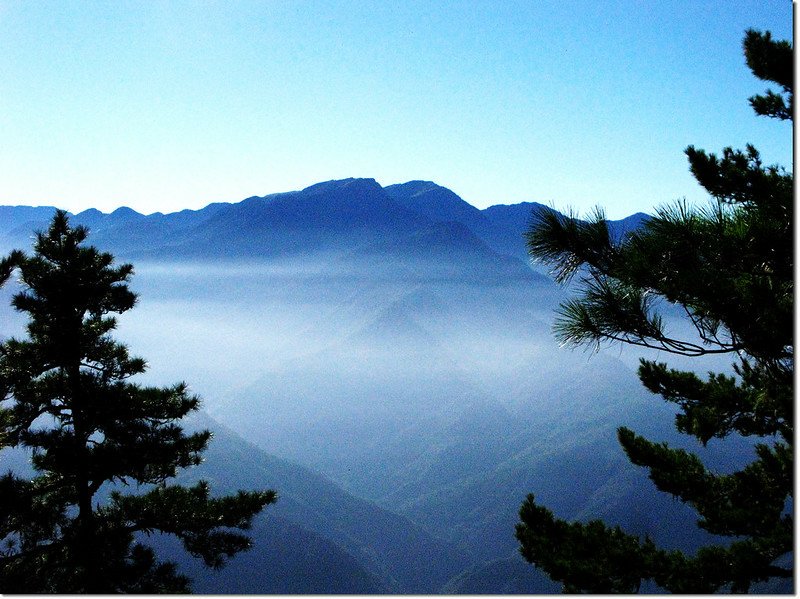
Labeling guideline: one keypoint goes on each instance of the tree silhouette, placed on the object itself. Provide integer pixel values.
(730, 268)
(66, 396)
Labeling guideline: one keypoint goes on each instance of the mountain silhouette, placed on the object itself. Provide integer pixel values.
(332, 218)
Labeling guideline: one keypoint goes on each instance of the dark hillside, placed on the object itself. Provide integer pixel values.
(397, 555)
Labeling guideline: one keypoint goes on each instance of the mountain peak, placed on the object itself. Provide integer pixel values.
(125, 212)
(433, 201)
(338, 185)
(90, 217)
(413, 187)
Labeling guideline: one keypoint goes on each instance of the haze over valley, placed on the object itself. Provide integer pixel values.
(383, 357)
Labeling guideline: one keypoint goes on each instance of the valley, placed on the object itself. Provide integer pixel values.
(383, 358)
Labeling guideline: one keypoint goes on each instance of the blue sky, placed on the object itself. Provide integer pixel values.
(168, 105)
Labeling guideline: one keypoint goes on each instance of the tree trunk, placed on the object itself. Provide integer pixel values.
(85, 550)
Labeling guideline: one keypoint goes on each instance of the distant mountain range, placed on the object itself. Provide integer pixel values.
(333, 218)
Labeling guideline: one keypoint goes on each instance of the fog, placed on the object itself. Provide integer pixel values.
(362, 376)
(420, 391)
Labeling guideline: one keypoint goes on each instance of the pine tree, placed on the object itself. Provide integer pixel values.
(729, 267)
(66, 396)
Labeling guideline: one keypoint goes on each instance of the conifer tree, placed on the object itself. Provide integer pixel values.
(729, 267)
(66, 396)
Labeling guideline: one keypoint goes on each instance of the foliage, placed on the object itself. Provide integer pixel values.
(65, 396)
(729, 267)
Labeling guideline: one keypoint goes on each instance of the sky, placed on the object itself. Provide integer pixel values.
(162, 106)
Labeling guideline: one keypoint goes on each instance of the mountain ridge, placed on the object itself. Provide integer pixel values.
(332, 218)
(411, 189)
(418, 185)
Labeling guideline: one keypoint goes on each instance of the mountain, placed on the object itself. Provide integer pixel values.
(393, 346)
(16, 218)
(515, 219)
(317, 539)
(629, 224)
(329, 218)
(354, 400)
(285, 559)
(18, 223)
(445, 250)
(500, 229)
(129, 233)
(509, 576)
(448, 401)
(333, 541)
(440, 205)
